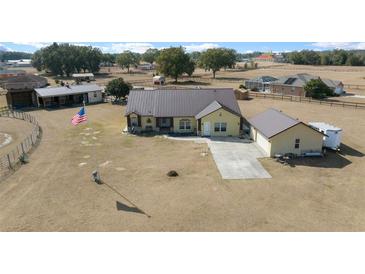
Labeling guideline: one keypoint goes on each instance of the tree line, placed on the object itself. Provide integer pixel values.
(65, 59)
(14, 55)
(336, 57)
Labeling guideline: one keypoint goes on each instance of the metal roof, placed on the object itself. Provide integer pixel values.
(263, 79)
(272, 122)
(209, 109)
(62, 91)
(83, 75)
(301, 79)
(183, 103)
(324, 126)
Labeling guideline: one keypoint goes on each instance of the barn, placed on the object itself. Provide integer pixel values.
(68, 95)
(277, 134)
(20, 90)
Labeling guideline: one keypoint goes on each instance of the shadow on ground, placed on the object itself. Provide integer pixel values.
(331, 160)
(124, 207)
(346, 150)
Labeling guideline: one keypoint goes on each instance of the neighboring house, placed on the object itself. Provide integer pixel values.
(4, 74)
(146, 66)
(21, 90)
(278, 133)
(294, 84)
(19, 63)
(202, 112)
(261, 83)
(68, 95)
(83, 76)
(266, 57)
(158, 80)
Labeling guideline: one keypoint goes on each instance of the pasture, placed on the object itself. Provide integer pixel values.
(54, 191)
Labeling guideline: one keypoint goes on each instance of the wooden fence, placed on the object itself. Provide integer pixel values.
(10, 161)
(306, 100)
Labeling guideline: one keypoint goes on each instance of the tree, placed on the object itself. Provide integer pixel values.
(150, 55)
(127, 59)
(354, 60)
(174, 62)
(317, 89)
(118, 88)
(217, 58)
(60, 59)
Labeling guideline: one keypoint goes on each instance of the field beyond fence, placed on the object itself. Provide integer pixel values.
(12, 160)
(293, 98)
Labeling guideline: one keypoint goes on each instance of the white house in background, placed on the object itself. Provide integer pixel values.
(146, 66)
(158, 80)
(83, 76)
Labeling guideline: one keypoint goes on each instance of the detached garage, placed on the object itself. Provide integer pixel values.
(278, 133)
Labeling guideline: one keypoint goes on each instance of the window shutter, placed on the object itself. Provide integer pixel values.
(199, 124)
(139, 121)
(157, 122)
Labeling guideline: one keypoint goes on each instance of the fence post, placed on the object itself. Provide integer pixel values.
(8, 156)
(22, 147)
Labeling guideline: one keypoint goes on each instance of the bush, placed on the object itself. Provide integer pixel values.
(316, 89)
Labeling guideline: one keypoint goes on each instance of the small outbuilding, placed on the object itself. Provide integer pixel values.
(69, 95)
(20, 90)
(158, 80)
(277, 134)
(83, 77)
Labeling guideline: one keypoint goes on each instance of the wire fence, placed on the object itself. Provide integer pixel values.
(12, 160)
(306, 100)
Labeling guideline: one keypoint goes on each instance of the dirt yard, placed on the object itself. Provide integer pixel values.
(17, 129)
(54, 191)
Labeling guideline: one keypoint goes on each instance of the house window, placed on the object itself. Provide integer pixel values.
(95, 95)
(184, 124)
(297, 142)
(292, 89)
(134, 121)
(220, 127)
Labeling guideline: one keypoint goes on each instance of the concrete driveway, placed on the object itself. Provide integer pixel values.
(235, 158)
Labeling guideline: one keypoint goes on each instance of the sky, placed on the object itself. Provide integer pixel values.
(242, 47)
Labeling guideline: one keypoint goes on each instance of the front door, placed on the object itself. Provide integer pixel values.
(206, 129)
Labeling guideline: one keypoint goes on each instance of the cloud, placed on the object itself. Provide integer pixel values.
(339, 45)
(201, 47)
(36, 45)
(4, 48)
(134, 47)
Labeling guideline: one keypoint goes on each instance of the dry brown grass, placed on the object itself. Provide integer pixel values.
(54, 193)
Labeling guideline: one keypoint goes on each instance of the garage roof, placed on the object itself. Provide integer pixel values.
(272, 122)
(70, 90)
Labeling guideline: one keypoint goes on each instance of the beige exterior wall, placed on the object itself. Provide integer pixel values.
(264, 143)
(222, 116)
(148, 121)
(193, 123)
(284, 142)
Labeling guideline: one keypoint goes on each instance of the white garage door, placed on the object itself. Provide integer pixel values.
(263, 143)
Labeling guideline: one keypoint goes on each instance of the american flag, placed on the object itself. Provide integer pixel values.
(79, 117)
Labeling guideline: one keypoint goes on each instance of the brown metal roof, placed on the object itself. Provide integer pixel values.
(174, 103)
(272, 122)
